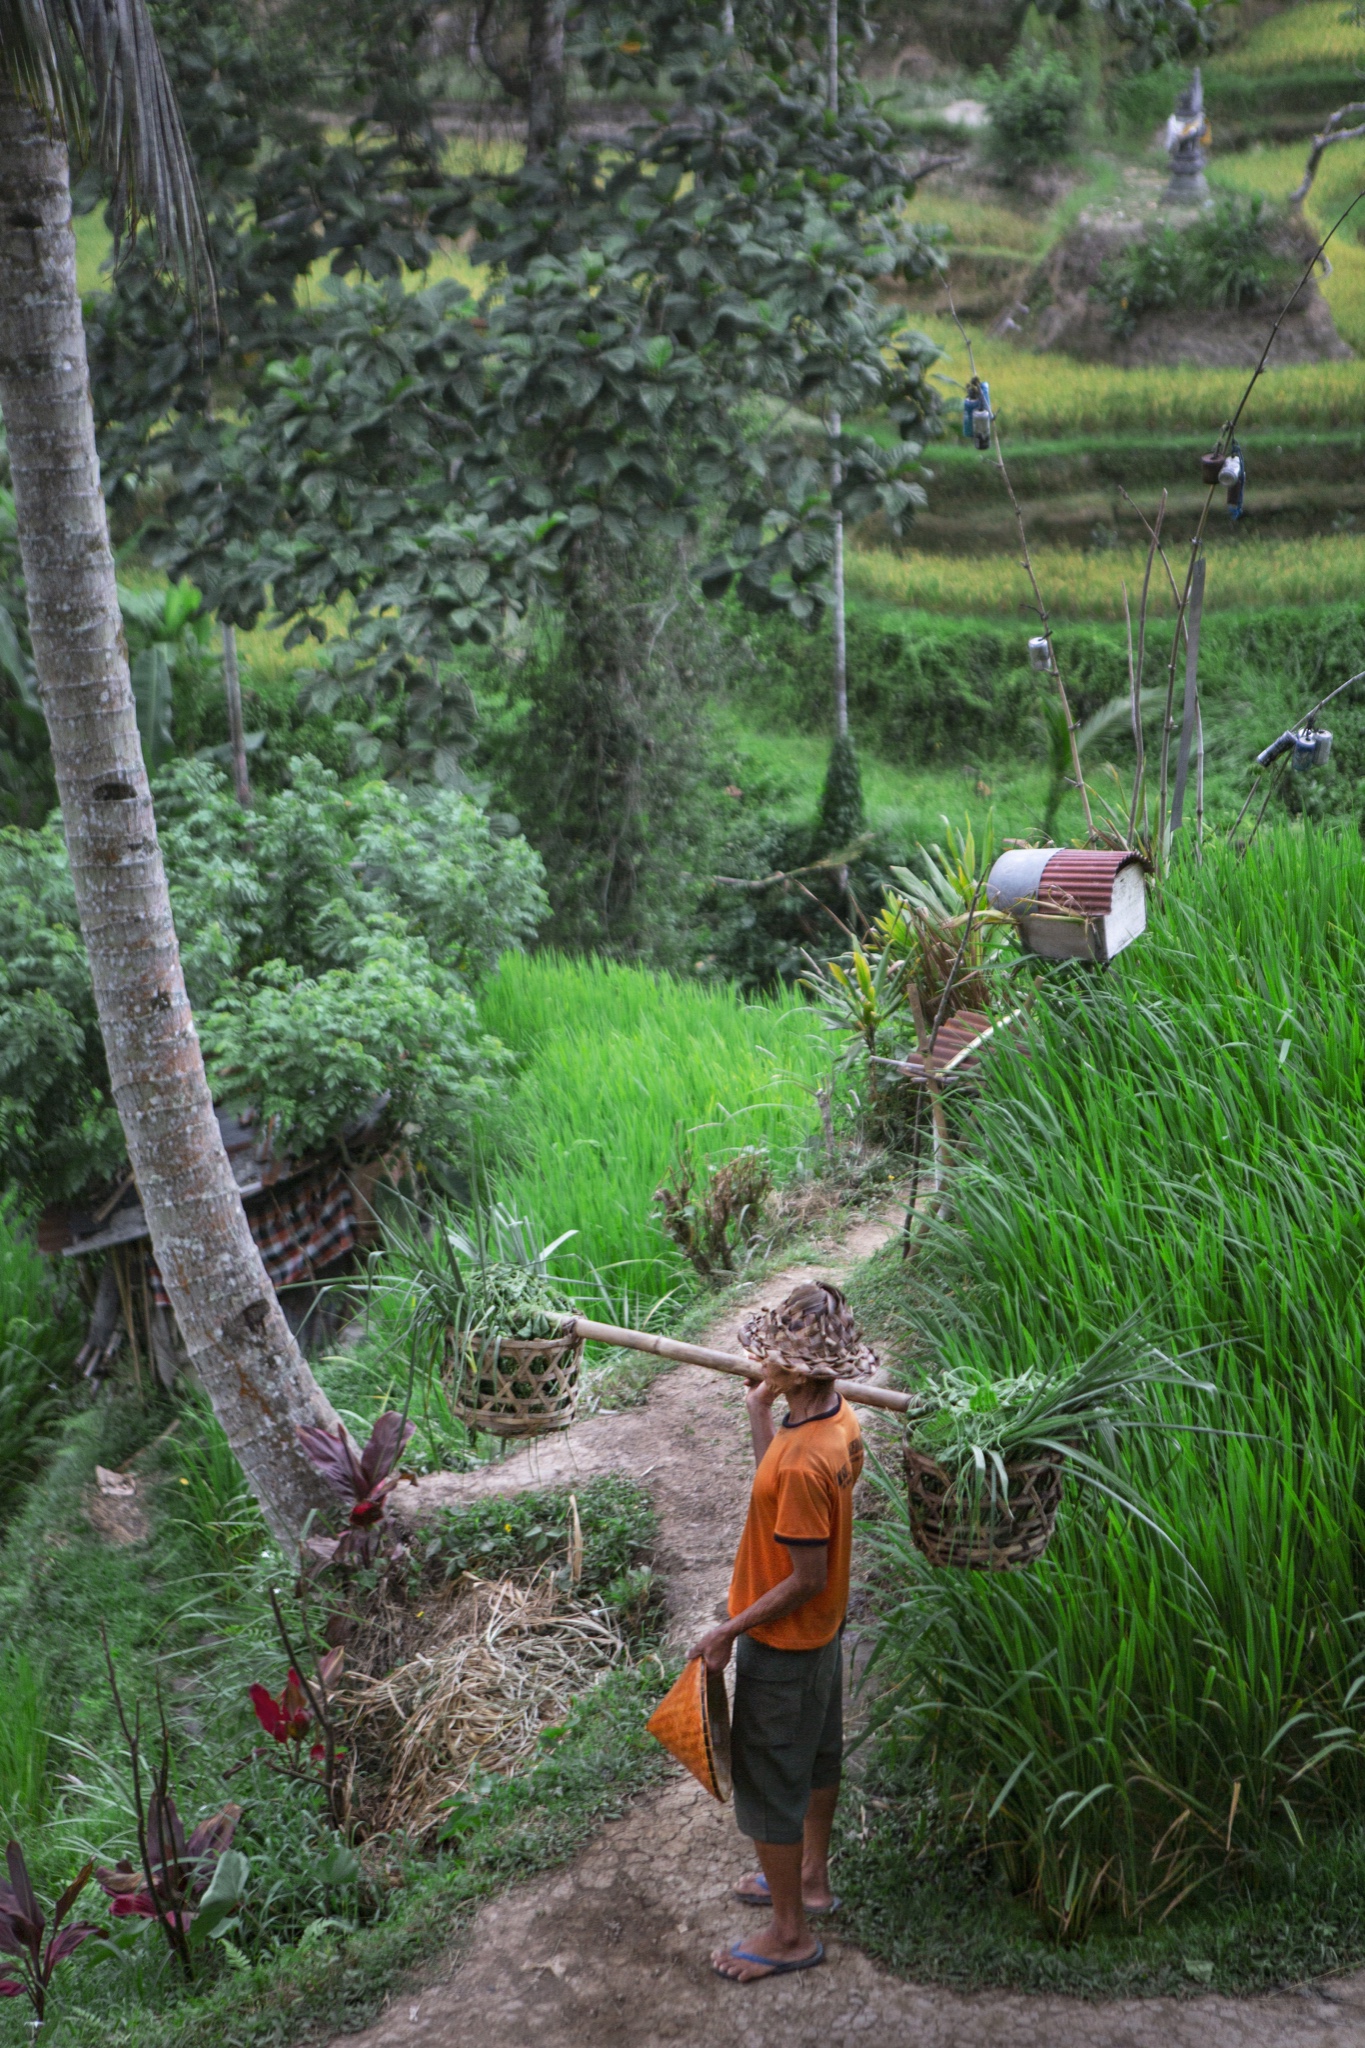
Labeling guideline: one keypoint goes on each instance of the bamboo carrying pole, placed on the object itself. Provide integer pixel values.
(726, 1361)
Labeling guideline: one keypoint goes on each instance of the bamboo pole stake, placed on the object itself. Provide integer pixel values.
(857, 1391)
(1225, 441)
(1026, 563)
(232, 689)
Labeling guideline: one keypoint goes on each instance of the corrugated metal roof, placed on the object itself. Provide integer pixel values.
(1082, 882)
(958, 1047)
(75, 1231)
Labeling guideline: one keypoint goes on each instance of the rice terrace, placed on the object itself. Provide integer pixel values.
(682, 1079)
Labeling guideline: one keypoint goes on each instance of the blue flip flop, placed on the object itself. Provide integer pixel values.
(751, 1899)
(770, 1968)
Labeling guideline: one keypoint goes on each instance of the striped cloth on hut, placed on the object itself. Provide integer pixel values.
(305, 1226)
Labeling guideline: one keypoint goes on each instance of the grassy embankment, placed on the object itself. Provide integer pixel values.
(1181, 1145)
(1329, 569)
(312, 1952)
(618, 1066)
(949, 715)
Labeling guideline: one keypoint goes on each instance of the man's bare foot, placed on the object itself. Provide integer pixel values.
(767, 1955)
(753, 1891)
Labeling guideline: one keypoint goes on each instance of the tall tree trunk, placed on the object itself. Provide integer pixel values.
(232, 1324)
(836, 472)
(544, 78)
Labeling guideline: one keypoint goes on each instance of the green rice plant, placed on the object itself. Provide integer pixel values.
(1180, 1142)
(25, 1787)
(1044, 396)
(979, 1423)
(1242, 576)
(1314, 33)
(615, 1063)
(975, 224)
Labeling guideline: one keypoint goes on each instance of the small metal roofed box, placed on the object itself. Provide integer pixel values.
(1071, 905)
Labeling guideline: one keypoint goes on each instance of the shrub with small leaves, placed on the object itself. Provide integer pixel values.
(1223, 260)
(1035, 111)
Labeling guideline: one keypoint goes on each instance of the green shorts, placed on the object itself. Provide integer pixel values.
(786, 1735)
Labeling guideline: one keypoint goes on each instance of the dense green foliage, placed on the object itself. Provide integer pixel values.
(627, 411)
(1180, 1145)
(927, 689)
(660, 285)
(37, 1330)
(1154, 33)
(530, 1530)
(601, 740)
(842, 812)
(331, 941)
(1035, 110)
(181, 1611)
(1221, 259)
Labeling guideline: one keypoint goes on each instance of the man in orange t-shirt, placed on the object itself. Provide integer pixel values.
(788, 1599)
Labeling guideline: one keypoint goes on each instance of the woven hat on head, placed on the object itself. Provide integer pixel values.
(692, 1721)
(811, 1334)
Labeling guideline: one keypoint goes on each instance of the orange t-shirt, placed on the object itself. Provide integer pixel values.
(802, 1493)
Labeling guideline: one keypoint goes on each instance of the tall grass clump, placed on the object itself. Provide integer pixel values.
(618, 1066)
(1184, 1143)
(38, 1340)
(24, 1743)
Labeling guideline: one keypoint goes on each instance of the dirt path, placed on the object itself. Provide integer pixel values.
(612, 1951)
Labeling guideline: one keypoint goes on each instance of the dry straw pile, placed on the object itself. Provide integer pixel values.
(505, 1662)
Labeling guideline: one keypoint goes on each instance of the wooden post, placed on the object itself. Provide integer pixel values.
(232, 687)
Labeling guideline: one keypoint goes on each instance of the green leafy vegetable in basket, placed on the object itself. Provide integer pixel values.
(487, 1273)
(508, 1288)
(977, 1427)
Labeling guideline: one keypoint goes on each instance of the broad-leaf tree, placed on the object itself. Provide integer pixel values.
(89, 71)
(680, 348)
(674, 324)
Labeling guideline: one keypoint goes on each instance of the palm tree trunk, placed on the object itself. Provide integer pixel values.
(235, 1332)
(836, 475)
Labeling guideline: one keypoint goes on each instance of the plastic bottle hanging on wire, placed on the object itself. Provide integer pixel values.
(977, 414)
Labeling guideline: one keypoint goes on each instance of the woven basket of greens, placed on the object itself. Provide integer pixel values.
(512, 1359)
(474, 1296)
(980, 1526)
(986, 1469)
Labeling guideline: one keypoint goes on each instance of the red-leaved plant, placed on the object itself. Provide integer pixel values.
(303, 1708)
(176, 1870)
(22, 1927)
(288, 1718)
(362, 1484)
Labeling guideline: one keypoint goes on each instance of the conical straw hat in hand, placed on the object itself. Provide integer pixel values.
(693, 1724)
